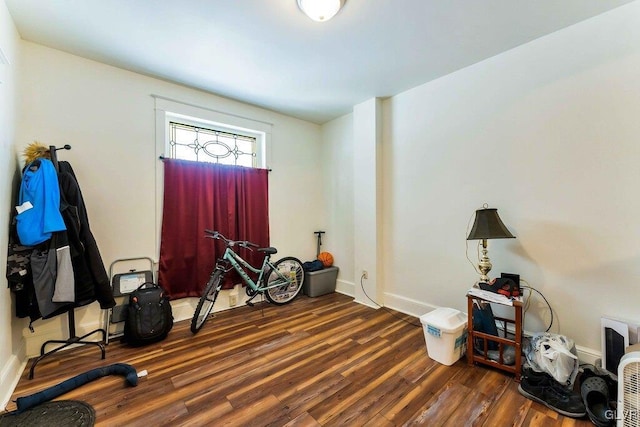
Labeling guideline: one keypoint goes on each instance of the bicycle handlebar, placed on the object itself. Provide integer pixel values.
(242, 243)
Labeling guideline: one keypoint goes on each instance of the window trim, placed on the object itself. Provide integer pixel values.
(167, 109)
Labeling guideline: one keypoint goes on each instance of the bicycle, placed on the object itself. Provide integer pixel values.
(280, 282)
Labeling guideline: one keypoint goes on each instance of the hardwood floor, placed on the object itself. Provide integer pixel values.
(317, 361)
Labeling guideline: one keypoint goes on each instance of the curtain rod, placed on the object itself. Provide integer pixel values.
(163, 158)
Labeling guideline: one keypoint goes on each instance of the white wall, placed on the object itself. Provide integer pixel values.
(11, 344)
(337, 160)
(367, 201)
(107, 116)
(548, 133)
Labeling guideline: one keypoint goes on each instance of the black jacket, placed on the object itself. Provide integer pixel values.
(92, 281)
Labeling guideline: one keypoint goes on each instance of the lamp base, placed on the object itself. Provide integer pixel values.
(484, 265)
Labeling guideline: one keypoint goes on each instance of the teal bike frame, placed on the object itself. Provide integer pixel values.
(280, 282)
(237, 262)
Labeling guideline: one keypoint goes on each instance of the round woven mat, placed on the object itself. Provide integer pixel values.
(58, 413)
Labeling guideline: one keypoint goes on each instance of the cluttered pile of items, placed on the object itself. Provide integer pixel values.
(551, 373)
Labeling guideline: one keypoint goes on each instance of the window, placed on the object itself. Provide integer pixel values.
(189, 132)
(206, 144)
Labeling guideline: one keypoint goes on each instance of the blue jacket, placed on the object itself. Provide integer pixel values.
(40, 189)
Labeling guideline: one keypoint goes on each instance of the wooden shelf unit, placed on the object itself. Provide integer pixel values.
(516, 342)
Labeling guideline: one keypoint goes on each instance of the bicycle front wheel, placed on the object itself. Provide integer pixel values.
(284, 281)
(208, 298)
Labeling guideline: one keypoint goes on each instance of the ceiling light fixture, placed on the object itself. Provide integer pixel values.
(320, 10)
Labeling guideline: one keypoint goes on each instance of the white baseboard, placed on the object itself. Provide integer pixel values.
(10, 375)
(589, 355)
(403, 305)
(183, 308)
(407, 305)
(346, 288)
(395, 302)
(367, 303)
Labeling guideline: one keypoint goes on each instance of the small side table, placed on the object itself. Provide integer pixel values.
(516, 342)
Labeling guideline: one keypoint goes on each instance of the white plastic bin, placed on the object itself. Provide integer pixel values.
(445, 334)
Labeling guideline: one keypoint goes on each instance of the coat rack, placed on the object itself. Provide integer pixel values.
(73, 338)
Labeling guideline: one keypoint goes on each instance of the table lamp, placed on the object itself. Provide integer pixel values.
(487, 225)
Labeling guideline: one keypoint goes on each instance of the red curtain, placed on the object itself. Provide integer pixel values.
(197, 196)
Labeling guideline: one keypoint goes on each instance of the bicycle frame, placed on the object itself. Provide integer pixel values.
(237, 262)
(279, 289)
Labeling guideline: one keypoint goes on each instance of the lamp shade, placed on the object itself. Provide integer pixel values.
(488, 225)
(320, 10)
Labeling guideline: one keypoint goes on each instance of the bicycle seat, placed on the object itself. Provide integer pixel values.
(269, 250)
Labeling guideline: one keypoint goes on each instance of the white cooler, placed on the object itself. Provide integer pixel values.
(445, 334)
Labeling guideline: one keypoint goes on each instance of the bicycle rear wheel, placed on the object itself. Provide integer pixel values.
(208, 298)
(284, 287)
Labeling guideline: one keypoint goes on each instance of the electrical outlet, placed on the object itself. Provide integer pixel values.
(365, 274)
(233, 299)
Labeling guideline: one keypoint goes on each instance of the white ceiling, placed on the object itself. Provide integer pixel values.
(268, 53)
